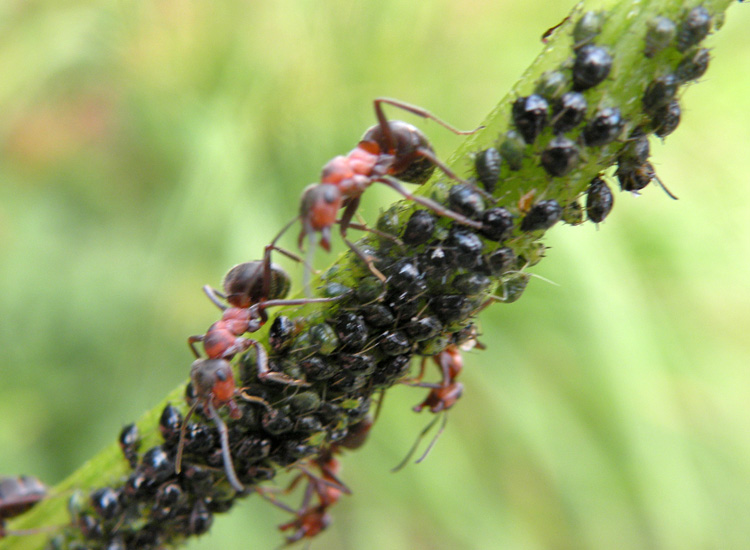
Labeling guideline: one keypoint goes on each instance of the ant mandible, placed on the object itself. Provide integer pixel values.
(390, 152)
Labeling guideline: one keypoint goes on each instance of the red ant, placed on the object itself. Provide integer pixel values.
(213, 382)
(250, 288)
(327, 487)
(390, 152)
(17, 495)
(442, 396)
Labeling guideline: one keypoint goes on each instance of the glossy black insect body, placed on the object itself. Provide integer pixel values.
(530, 116)
(667, 118)
(592, 65)
(465, 200)
(569, 111)
(551, 84)
(599, 200)
(560, 156)
(487, 164)
(419, 228)
(659, 93)
(661, 31)
(130, 441)
(694, 28)
(587, 28)
(170, 423)
(604, 128)
(106, 502)
(693, 66)
(542, 215)
(497, 224)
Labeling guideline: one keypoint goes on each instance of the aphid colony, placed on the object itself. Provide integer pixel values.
(416, 284)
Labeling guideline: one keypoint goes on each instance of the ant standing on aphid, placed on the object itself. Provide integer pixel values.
(391, 152)
(250, 288)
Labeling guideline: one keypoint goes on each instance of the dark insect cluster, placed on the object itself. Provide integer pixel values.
(413, 288)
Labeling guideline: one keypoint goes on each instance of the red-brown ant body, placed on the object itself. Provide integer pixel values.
(326, 486)
(214, 386)
(17, 495)
(390, 152)
(442, 395)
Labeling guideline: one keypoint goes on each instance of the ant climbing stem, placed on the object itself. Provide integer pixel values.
(391, 152)
(214, 385)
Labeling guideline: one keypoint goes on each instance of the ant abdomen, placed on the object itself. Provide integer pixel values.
(406, 145)
(243, 284)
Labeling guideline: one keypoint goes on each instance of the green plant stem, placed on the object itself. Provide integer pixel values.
(623, 34)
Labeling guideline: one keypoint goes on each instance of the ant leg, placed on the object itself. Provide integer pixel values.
(264, 374)
(439, 209)
(413, 449)
(191, 342)
(429, 155)
(415, 111)
(267, 256)
(226, 455)
(181, 443)
(381, 234)
(215, 296)
(346, 219)
(434, 439)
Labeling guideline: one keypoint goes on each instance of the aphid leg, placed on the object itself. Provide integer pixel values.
(439, 209)
(225, 454)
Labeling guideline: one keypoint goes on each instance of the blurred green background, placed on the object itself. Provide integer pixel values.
(145, 147)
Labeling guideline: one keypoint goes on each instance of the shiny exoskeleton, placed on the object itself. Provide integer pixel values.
(17, 495)
(213, 382)
(390, 152)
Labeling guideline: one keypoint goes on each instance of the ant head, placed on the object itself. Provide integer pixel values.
(213, 379)
(405, 143)
(318, 208)
(243, 284)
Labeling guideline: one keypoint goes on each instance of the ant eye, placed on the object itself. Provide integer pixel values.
(221, 375)
(330, 195)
